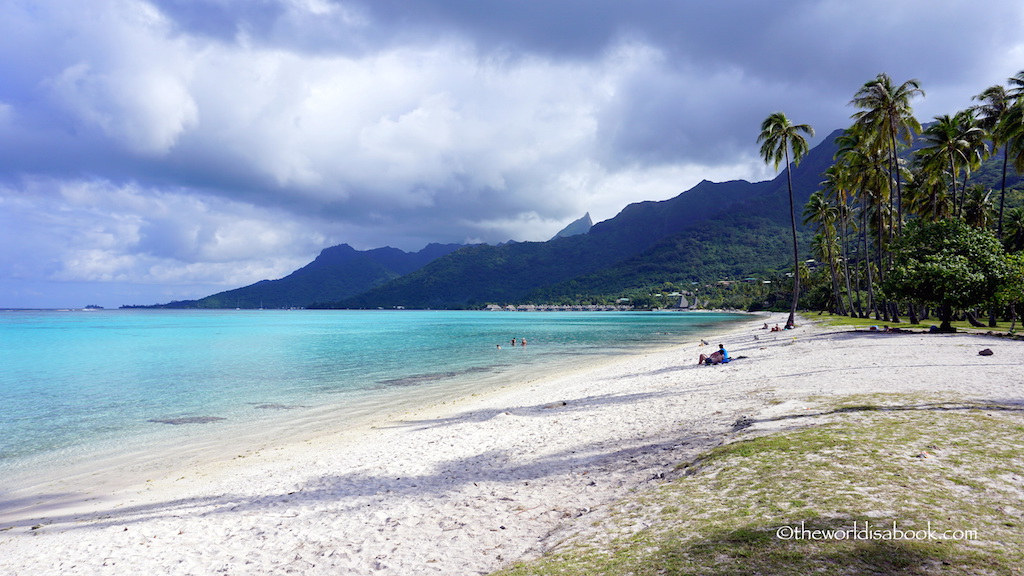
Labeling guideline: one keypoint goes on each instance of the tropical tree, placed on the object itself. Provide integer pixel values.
(996, 104)
(868, 178)
(1013, 133)
(927, 193)
(953, 140)
(977, 146)
(947, 263)
(1011, 292)
(837, 184)
(887, 116)
(778, 138)
(1015, 229)
(978, 206)
(823, 214)
(1017, 85)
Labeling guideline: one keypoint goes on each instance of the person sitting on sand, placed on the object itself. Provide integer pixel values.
(720, 356)
(776, 328)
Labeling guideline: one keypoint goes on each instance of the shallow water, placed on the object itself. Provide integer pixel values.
(77, 386)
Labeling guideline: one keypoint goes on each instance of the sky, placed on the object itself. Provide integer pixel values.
(158, 150)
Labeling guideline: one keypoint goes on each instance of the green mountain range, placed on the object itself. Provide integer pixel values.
(713, 231)
(338, 272)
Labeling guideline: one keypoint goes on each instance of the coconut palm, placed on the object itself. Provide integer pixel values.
(977, 148)
(927, 193)
(1017, 85)
(1013, 133)
(837, 184)
(953, 139)
(978, 206)
(887, 116)
(871, 186)
(778, 137)
(1015, 229)
(823, 214)
(996, 103)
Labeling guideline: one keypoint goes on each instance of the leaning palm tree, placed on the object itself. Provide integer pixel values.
(778, 137)
(887, 115)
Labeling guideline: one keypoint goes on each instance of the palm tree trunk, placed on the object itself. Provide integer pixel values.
(840, 308)
(895, 168)
(1002, 193)
(952, 179)
(796, 250)
(872, 305)
(884, 308)
(846, 260)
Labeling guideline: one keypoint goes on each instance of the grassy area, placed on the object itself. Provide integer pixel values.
(869, 462)
(838, 320)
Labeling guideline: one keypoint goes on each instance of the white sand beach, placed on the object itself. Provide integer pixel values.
(468, 487)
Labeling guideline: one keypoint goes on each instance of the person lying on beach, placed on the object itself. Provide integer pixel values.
(720, 356)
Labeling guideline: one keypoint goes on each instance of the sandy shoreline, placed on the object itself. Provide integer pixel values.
(467, 487)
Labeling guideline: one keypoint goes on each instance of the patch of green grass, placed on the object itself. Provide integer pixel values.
(829, 319)
(915, 461)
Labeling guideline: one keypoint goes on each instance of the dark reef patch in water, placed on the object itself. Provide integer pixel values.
(276, 406)
(422, 378)
(187, 420)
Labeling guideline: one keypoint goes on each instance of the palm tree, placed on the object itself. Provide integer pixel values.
(824, 215)
(1017, 85)
(871, 186)
(977, 147)
(874, 189)
(1012, 128)
(777, 138)
(996, 103)
(1015, 229)
(927, 193)
(978, 206)
(837, 183)
(886, 114)
(951, 140)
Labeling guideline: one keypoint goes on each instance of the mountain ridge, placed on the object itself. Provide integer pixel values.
(338, 271)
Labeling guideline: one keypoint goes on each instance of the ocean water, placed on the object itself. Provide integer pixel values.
(78, 387)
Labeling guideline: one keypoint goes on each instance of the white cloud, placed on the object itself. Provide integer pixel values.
(101, 232)
(168, 141)
(132, 78)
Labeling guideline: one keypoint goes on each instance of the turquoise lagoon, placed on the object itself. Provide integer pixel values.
(85, 389)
